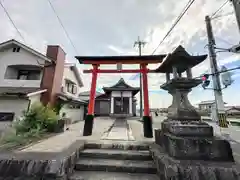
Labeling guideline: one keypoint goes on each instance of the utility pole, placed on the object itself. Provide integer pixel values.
(236, 5)
(220, 111)
(140, 44)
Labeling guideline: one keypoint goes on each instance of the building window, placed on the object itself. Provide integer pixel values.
(23, 75)
(28, 75)
(71, 87)
(75, 106)
(16, 49)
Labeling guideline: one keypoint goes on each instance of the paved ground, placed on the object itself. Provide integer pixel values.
(62, 141)
(119, 131)
(104, 130)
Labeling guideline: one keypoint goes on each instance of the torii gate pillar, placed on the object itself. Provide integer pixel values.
(147, 119)
(88, 125)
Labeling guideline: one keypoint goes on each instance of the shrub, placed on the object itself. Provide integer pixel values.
(38, 118)
(31, 127)
(58, 106)
(12, 140)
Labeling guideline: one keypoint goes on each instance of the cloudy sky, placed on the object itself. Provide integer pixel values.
(110, 27)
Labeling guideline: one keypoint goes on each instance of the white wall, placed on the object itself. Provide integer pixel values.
(69, 74)
(118, 94)
(35, 99)
(74, 114)
(23, 57)
(16, 106)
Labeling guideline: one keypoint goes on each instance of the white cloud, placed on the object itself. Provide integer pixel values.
(115, 49)
(232, 58)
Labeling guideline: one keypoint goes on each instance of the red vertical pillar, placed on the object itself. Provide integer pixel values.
(147, 119)
(88, 124)
(145, 90)
(93, 91)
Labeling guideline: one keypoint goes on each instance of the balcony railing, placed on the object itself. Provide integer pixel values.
(19, 83)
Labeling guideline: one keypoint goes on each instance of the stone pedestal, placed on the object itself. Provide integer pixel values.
(188, 150)
(192, 140)
(169, 168)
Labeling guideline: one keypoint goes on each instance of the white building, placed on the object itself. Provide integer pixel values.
(71, 84)
(118, 100)
(27, 76)
(206, 105)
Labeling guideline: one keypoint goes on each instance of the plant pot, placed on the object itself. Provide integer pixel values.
(59, 126)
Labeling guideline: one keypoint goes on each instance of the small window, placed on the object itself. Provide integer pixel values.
(16, 49)
(74, 89)
(76, 106)
(23, 75)
(71, 87)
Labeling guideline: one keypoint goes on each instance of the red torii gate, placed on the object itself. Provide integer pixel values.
(96, 61)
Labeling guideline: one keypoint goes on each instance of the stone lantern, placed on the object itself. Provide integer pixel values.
(185, 146)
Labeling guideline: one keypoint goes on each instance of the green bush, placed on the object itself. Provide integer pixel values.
(31, 127)
(12, 140)
(37, 118)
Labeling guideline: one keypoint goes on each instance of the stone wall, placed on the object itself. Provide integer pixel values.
(38, 165)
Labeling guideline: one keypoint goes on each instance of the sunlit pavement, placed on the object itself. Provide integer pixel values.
(232, 134)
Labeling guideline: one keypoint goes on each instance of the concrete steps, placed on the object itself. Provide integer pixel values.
(111, 161)
(119, 145)
(113, 165)
(116, 154)
(98, 175)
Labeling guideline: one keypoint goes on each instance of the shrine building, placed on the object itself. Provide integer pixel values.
(118, 100)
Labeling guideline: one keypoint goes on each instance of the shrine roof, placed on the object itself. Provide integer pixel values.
(149, 59)
(121, 85)
(181, 59)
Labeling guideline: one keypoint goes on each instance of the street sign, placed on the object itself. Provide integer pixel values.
(226, 76)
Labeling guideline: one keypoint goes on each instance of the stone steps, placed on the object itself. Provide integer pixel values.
(97, 175)
(113, 165)
(120, 145)
(116, 154)
(123, 161)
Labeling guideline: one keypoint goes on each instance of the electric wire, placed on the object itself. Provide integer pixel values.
(11, 20)
(63, 27)
(219, 72)
(224, 15)
(188, 5)
(219, 9)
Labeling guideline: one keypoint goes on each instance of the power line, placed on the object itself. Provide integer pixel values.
(11, 20)
(15, 26)
(188, 5)
(219, 72)
(64, 29)
(224, 15)
(219, 9)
